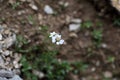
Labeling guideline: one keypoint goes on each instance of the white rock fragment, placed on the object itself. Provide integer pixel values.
(48, 9)
(74, 27)
(64, 4)
(107, 74)
(93, 69)
(73, 35)
(78, 21)
(104, 45)
(33, 6)
(0, 36)
(21, 12)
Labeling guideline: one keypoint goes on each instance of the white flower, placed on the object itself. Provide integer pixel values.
(56, 38)
(53, 39)
(52, 34)
(60, 42)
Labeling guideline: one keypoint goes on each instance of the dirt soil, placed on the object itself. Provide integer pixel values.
(77, 48)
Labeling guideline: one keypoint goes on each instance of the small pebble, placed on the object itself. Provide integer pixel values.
(73, 35)
(34, 7)
(104, 45)
(93, 69)
(107, 74)
(78, 21)
(74, 27)
(48, 9)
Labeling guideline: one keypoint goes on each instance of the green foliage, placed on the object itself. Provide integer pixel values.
(87, 24)
(111, 59)
(44, 61)
(15, 5)
(79, 66)
(20, 42)
(31, 20)
(55, 70)
(26, 68)
(25, 64)
(97, 36)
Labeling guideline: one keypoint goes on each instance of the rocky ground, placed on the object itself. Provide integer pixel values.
(29, 17)
(9, 61)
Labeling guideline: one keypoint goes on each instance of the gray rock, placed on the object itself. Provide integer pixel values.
(3, 78)
(48, 9)
(16, 77)
(9, 41)
(33, 6)
(7, 74)
(1, 60)
(74, 27)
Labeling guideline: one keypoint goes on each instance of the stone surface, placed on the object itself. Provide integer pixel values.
(74, 27)
(1, 61)
(33, 6)
(9, 61)
(0, 36)
(3, 78)
(6, 73)
(48, 9)
(16, 77)
(116, 4)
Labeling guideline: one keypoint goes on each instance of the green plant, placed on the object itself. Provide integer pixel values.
(111, 59)
(79, 66)
(97, 36)
(15, 5)
(31, 20)
(20, 42)
(87, 24)
(26, 69)
(44, 61)
(55, 70)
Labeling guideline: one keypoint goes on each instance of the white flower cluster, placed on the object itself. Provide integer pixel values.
(56, 38)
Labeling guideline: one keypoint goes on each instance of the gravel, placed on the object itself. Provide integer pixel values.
(8, 59)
